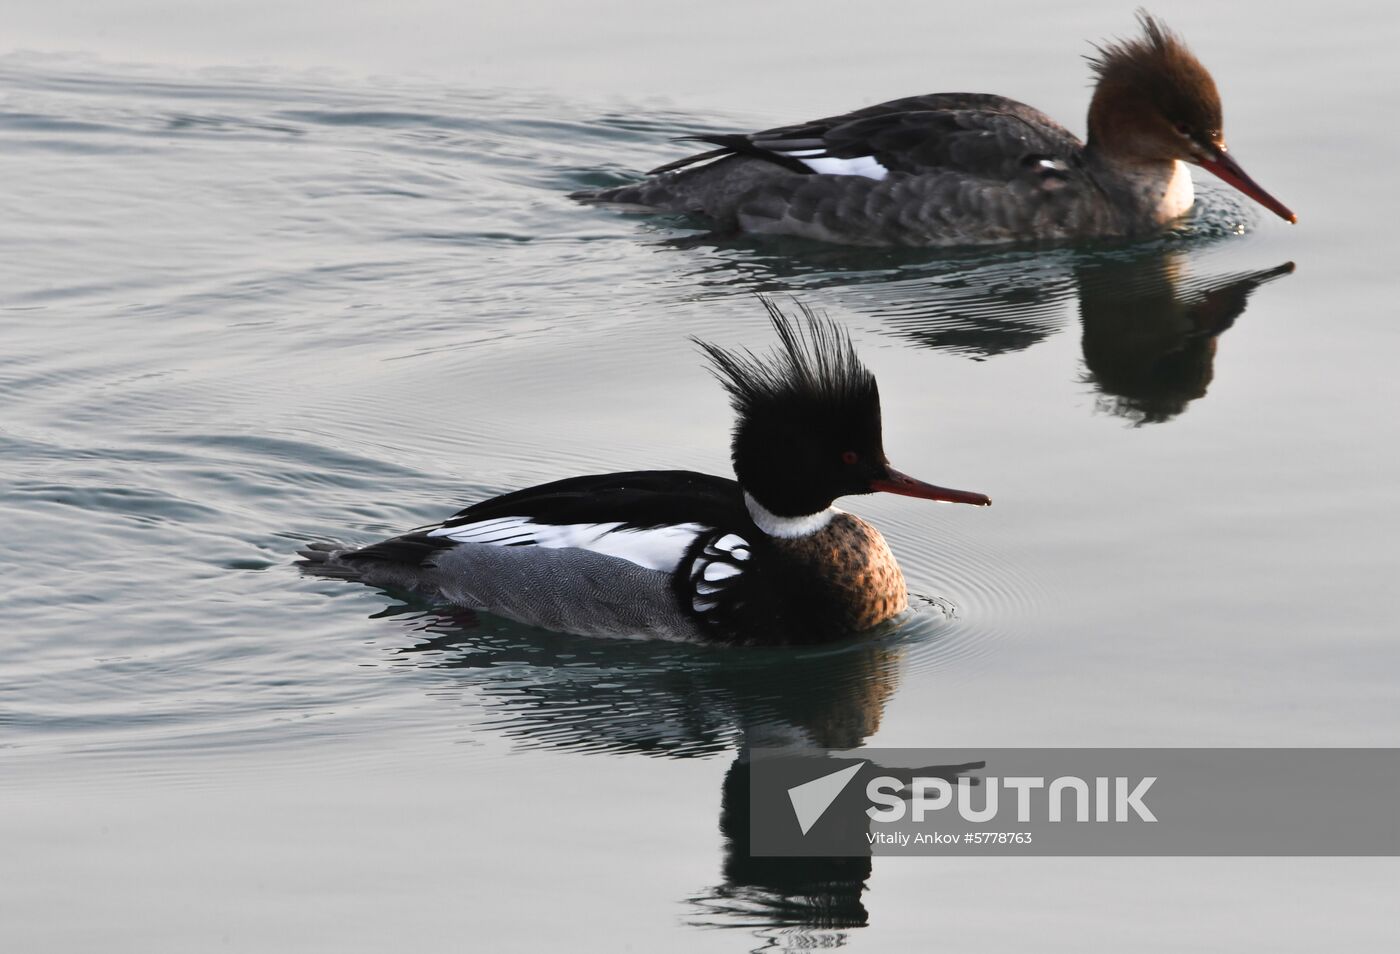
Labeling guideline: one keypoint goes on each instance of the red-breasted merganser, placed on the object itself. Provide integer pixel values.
(970, 168)
(676, 554)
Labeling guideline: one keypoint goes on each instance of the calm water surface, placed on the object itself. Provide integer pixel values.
(246, 306)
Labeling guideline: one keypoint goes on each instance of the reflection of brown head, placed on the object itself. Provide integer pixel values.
(1150, 333)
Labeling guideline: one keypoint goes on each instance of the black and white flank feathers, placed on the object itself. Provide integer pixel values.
(657, 553)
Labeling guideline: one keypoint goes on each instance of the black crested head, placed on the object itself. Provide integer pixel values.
(808, 416)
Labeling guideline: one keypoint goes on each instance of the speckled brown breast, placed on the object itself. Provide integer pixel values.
(852, 560)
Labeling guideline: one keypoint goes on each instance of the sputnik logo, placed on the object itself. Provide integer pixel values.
(810, 800)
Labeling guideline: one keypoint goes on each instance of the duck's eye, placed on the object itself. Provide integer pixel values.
(1183, 128)
(849, 457)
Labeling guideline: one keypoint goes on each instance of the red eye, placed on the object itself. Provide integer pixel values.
(849, 457)
(1183, 128)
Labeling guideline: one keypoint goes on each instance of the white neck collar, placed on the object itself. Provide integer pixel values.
(787, 527)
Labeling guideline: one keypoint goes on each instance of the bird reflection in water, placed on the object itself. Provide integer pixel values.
(1150, 331)
(811, 901)
(684, 701)
(1149, 327)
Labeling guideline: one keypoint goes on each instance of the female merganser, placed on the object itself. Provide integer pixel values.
(970, 168)
(677, 554)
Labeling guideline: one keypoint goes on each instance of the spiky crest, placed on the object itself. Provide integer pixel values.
(815, 365)
(808, 415)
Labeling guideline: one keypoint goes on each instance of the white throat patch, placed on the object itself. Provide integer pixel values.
(1180, 194)
(787, 527)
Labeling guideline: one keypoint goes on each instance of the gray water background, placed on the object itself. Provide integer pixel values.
(274, 274)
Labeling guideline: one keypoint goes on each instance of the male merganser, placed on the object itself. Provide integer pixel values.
(971, 168)
(677, 554)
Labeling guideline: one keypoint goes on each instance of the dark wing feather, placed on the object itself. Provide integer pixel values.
(644, 498)
(730, 145)
(690, 160)
(971, 133)
(411, 549)
(638, 499)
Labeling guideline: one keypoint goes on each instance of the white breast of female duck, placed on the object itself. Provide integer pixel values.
(1180, 194)
(1163, 192)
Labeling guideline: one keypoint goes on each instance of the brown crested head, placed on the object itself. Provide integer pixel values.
(1154, 100)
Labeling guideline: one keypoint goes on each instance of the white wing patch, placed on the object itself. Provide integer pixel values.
(656, 548)
(866, 166)
(501, 530)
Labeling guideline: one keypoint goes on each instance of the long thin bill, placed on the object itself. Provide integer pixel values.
(907, 486)
(1224, 166)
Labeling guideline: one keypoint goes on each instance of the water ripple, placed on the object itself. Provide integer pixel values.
(380, 309)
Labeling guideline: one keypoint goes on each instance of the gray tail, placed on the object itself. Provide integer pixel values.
(400, 563)
(715, 189)
(646, 192)
(324, 559)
